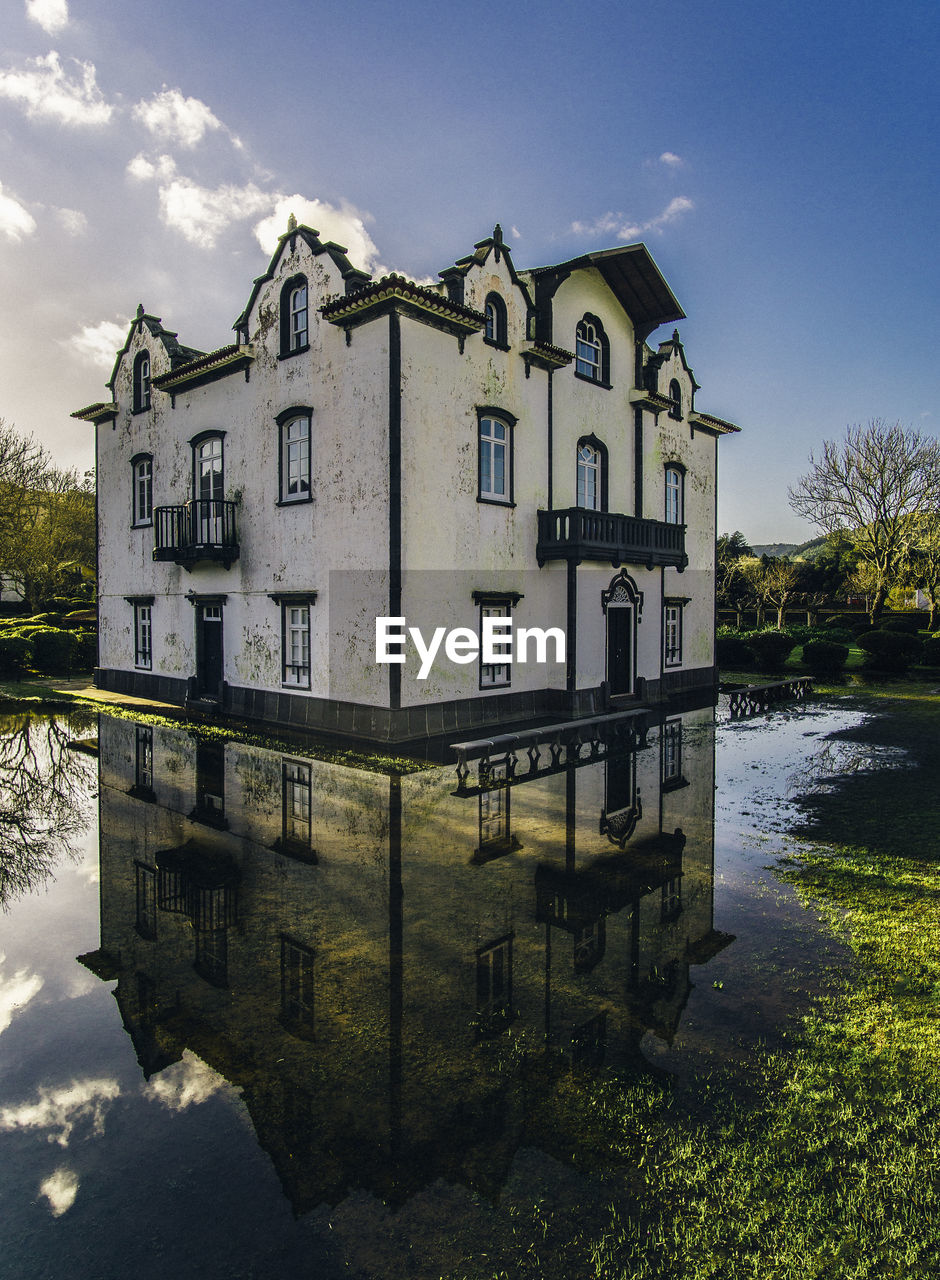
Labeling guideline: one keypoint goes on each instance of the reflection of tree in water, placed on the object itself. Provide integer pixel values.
(841, 758)
(44, 794)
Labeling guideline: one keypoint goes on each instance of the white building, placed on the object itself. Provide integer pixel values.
(505, 444)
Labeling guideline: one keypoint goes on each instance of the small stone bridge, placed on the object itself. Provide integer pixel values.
(750, 699)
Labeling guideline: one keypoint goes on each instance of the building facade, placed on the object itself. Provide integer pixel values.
(505, 450)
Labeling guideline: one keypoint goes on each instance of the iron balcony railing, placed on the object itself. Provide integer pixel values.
(576, 533)
(201, 529)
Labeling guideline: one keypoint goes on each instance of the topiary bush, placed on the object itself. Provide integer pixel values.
(54, 652)
(825, 657)
(732, 650)
(932, 651)
(16, 654)
(908, 623)
(86, 655)
(890, 650)
(771, 648)
(79, 620)
(43, 620)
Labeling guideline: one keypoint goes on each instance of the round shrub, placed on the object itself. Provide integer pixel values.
(732, 650)
(771, 648)
(890, 650)
(825, 657)
(79, 619)
(54, 651)
(43, 620)
(16, 654)
(932, 650)
(86, 655)
(908, 623)
(839, 635)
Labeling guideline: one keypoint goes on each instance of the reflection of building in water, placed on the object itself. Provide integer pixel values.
(356, 951)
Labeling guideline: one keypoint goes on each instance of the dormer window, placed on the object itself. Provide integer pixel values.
(592, 352)
(495, 331)
(142, 382)
(295, 323)
(675, 395)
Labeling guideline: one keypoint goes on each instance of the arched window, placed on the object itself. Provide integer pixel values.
(675, 395)
(495, 456)
(142, 382)
(675, 495)
(142, 494)
(495, 311)
(295, 468)
(209, 487)
(592, 351)
(592, 474)
(295, 326)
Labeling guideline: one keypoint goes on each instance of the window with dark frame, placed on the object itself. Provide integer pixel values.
(592, 351)
(671, 907)
(671, 752)
(142, 506)
(146, 916)
(295, 459)
(142, 382)
(672, 633)
(211, 960)
(143, 636)
(495, 448)
(495, 675)
(294, 316)
(295, 625)
(591, 488)
(296, 796)
(297, 991)
(675, 495)
(143, 766)
(675, 395)
(494, 985)
(494, 332)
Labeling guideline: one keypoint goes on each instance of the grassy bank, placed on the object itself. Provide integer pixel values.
(831, 1170)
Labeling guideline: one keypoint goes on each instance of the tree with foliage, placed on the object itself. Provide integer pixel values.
(47, 520)
(872, 485)
(920, 567)
(731, 587)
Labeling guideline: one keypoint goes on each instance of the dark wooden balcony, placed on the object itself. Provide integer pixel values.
(578, 534)
(202, 529)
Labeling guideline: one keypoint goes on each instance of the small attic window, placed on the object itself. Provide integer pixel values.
(592, 351)
(494, 332)
(142, 382)
(675, 395)
(295, 330)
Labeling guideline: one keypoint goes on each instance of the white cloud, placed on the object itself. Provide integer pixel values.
(201, 214)
(52, 15)
(515, 232)
(172, 118)
(60, 1189)
(16, 991)
(60, 1109)
(345, 225)
(72, 221)
(46, 91)
(671, 159)
(15, 220)
(185, 1083)
(100, 343)
(615, 224)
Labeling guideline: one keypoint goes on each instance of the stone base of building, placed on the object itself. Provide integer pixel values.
(375, 724)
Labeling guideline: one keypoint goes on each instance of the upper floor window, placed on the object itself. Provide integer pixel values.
(592, 351)
(495, 439)
(495, 311)
(675, 495)
(675, 395)
(142, 382)
(142, 468)
(592, 474)
(294, 427)
(295, 327)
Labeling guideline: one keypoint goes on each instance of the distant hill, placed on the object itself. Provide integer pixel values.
(804, 550)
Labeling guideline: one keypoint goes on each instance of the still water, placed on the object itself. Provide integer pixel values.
(265, 1015)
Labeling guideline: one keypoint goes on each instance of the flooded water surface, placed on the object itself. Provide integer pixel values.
(265, 1015)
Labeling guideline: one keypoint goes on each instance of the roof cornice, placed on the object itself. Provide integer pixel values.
(395, 291)
(98, 412)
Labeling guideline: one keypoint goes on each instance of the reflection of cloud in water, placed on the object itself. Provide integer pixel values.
(60, 1189)
(60, 1109)
(184, 1084)
(16, 991)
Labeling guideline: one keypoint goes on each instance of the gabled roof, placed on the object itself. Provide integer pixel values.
(493, 244)
(353, 277)
(174, 348)
(666, 350)
(207, 368)
(633, 278)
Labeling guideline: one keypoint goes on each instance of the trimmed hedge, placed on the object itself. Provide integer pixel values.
(909, 623)
(732, 650)
(932, 651)
(890, 650)
(770, 648)
(825, 657)
(16, 654)
(86, 655)
(54, 651)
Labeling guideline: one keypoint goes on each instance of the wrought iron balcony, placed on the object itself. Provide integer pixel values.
(576, 533)
(201, 529)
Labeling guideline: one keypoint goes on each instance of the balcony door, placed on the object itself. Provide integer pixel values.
(209, 653)
(209, 486)
(621, 649)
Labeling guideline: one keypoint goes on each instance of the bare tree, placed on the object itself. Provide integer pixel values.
(871, 485)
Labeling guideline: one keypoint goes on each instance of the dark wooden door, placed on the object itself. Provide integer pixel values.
(209, 648)
(620, 655)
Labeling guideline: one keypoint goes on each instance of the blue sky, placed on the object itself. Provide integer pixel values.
(781, 163)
